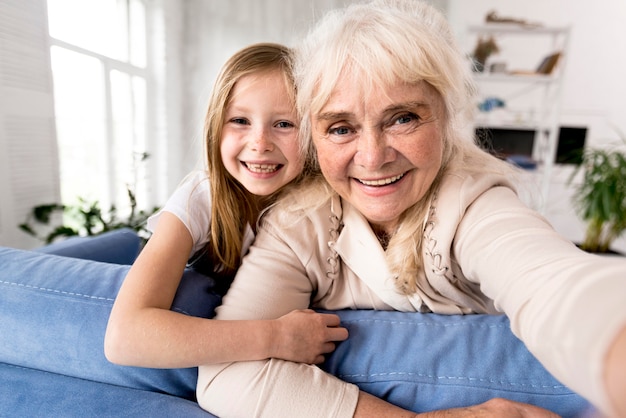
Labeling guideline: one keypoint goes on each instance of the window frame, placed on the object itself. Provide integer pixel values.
(142, 188)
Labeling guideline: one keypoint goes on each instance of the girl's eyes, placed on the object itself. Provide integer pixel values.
(285, 124)
(239, 121)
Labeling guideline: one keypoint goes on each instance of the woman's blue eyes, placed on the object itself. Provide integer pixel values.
(342, 130)
(406, 118)
(400, 120)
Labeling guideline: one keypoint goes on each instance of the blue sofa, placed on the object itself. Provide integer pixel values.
(54, 307)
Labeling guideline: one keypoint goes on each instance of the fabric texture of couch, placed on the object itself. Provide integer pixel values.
(54, 310)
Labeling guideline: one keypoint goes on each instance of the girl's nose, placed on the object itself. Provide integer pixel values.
(261, 140)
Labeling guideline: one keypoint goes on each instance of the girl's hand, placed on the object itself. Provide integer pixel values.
(304, 336)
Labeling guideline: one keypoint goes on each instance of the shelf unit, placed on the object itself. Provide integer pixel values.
(540, 94)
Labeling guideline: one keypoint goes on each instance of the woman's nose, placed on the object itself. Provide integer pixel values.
(372, 150)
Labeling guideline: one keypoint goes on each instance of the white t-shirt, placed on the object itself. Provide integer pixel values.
(191, 203)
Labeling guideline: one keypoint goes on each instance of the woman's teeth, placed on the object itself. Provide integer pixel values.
(382, 182)
(262, 168)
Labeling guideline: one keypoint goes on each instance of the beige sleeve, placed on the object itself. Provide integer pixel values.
(274, 389)
(564, 304)
(271, 282)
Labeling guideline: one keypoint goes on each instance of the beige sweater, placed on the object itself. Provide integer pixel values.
(484, 252)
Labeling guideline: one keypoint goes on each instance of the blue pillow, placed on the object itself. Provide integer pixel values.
(34, 393)
(426, 362)
(120, 246)
(54, 312)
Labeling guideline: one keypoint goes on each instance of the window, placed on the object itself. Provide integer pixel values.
(101, 82)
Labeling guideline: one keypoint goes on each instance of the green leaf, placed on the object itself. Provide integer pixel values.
(42, 213)
(60, 231)
(26, 228)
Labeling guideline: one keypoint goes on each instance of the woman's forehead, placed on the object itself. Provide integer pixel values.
(354, 89)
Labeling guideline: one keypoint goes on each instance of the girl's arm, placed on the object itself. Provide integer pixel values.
(143, 331)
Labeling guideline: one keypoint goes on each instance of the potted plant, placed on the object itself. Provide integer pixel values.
(85, 219)
(600, 198)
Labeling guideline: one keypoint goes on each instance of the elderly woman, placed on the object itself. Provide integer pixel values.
(411, 215)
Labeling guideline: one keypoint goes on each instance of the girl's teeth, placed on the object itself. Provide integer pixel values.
(382, 182)
(262, 168)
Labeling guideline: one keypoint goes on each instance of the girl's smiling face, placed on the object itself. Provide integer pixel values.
(381, 149)
(259, 146)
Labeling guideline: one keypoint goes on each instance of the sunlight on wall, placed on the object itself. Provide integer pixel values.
(101, 26)
(81, 128)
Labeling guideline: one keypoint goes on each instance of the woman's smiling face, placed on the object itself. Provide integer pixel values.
(380, 149)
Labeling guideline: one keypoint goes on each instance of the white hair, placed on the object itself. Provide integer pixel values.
(385, 41)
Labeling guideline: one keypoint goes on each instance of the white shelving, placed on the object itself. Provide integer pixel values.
(532, 101)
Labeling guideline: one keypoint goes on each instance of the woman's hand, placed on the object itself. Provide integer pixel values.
(496, 407)
(371, 407)
(304, 336)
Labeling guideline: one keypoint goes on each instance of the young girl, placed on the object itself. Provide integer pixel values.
(252, 152)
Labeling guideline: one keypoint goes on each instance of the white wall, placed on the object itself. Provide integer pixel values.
(28, 155)
(595, 85)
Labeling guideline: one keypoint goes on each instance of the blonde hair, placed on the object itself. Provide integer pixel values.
(233, 206)
(383, 42)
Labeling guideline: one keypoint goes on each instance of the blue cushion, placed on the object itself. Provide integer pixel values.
(34, 393)
(425, 362)
(120, 246)
(53, 316)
